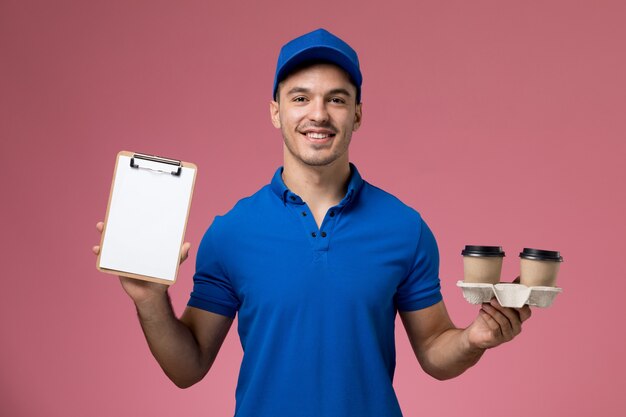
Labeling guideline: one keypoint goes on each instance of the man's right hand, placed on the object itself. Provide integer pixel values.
(143, 291)
(186, 347)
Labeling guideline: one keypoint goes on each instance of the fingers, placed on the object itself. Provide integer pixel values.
(498, 324)
(506, 321)
(524, 313)
(184, 251)
(99, 228)
(515, 314)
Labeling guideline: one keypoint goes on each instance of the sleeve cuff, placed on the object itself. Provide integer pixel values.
(213, 306)
(421, 303)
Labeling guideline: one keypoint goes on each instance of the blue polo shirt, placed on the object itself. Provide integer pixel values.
(317, 306)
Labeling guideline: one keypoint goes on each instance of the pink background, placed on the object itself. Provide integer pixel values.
(502, 122)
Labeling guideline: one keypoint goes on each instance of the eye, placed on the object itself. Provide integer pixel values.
(337, 100)
(299, 99)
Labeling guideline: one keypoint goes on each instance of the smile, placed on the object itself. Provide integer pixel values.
(316, 135)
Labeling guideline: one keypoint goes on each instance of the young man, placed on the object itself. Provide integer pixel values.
(316, 265)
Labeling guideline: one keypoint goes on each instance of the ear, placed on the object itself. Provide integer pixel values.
(274, 113)
(358, 114)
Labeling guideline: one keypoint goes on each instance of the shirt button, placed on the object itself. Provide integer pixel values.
(293, 198)
(332, 214)
(314, 234)
(304, 213)
(323, 234)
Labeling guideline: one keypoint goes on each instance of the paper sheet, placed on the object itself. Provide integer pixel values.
(146, 221)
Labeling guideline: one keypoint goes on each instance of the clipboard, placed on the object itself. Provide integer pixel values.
(146, 217)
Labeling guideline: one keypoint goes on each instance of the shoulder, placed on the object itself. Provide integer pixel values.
(388, 205)
(388, 214)
(226, 232)
(247, 210)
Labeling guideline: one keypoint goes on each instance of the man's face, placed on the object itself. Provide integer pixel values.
(316, 113)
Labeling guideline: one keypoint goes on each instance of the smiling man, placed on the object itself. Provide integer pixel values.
(316, 265)
(316, 111)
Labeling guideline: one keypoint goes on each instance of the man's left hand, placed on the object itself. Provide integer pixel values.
(496, 324)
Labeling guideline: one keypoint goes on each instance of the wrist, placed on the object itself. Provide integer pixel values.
(469, 346)
(152, 304)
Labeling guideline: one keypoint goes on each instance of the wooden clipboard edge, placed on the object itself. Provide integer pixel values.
(182, 238)
(106, 219)
(137, 276)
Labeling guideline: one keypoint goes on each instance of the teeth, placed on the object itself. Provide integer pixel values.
(314, 135)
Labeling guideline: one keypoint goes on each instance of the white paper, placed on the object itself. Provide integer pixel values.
(146, 222)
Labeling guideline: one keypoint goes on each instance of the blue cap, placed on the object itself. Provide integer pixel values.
(319, 45)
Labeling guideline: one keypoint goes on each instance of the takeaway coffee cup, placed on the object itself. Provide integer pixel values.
(539, 268)
(482, 264)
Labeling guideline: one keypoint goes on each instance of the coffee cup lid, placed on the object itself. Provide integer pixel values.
(473, 250)
(541, 255)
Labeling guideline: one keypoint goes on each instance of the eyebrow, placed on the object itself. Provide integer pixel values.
(334, 91)
(340, 91)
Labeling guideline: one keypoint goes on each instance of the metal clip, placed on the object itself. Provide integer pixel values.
(152, 162)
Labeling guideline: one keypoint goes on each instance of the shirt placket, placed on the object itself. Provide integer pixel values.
(319, 237)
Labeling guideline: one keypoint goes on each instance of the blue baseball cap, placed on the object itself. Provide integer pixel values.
(319, 45)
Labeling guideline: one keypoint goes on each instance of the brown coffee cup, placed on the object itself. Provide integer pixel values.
(482, 264)
(539, 268)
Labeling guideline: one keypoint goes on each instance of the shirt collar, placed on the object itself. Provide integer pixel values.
(287, 196)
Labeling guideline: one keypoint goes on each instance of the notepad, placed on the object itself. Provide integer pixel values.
(146, 218)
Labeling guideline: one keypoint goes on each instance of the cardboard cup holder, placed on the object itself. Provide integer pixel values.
(509, 294)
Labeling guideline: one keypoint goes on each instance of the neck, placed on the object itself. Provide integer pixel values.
(321, 187)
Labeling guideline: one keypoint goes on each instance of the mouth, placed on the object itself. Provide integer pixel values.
(318, 135)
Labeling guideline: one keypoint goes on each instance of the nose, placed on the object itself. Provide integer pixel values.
(318, 111)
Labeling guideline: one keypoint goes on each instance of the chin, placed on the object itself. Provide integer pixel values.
(319, 162)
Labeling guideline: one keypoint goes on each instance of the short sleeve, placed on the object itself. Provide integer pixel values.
(212, 290)
(421, 288)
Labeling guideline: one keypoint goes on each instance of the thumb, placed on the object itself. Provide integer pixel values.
(184, 251)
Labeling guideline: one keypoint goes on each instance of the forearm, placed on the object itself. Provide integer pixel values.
(445, 351)
(449, 354)
(171, 342)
